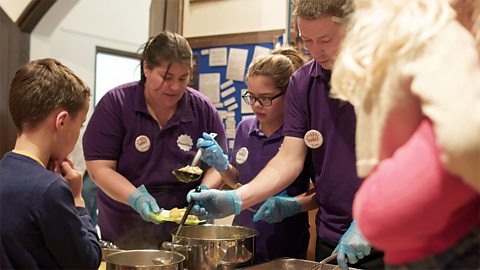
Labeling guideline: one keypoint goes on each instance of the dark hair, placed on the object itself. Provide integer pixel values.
(165, 47)
(279, 66)
(41, 86)
(314, 9)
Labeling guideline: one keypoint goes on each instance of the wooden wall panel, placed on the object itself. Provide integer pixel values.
(13, 53)
(235, 39)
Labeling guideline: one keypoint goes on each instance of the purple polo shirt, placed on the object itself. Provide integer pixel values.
(308, 106)
(118, 130)
(252, 151)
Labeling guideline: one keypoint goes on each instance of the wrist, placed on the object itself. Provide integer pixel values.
(236, 202)
(297, 205)
(79, 201)
(223, 166)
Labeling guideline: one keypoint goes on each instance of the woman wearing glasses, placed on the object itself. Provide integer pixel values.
(257, 140)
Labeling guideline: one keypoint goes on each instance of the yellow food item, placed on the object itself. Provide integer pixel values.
(190, 169)
(178, 214)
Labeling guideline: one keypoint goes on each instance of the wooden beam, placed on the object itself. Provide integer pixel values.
(14, 52)
(33, 13)
(235, 39)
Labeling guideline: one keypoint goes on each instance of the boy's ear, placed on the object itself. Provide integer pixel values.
(60, 119)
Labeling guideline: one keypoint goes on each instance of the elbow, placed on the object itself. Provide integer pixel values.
(91, 259)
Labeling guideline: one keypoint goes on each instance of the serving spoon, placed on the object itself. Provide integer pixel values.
(187, 176)
(189, 173)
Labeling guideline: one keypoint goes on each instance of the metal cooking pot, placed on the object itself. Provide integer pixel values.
(108, 248)
(209, 246)
(145, 259)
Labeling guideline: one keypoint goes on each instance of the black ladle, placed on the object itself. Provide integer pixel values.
(187, 212)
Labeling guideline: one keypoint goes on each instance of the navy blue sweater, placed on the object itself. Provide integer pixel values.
(39, 224)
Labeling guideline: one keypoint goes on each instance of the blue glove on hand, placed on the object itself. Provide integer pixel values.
(197, 210)
(213, 154)
(277, 208)
(143, 203)
(211, 204)
(353, 245)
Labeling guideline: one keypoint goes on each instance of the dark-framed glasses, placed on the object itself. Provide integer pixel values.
(264, 101)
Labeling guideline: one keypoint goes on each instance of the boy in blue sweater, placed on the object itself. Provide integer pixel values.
(44, 223)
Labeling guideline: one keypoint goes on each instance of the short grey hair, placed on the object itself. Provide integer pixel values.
(314, 9)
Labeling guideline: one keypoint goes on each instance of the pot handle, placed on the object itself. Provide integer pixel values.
(178, 247)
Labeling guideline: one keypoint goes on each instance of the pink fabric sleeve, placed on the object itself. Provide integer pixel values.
(409, 197)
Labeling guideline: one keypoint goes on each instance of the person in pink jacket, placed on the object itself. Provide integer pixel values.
(412, 72)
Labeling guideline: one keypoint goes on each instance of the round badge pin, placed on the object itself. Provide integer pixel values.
(313, 139)
(185, 142)
(242, 155)
(142, 143)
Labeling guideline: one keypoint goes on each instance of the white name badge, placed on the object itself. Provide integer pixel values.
(142, 143)
(242, 155)
(185, 142)
(313, 139)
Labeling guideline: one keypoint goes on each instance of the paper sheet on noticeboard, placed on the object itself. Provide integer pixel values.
(228, 92)
(260, 51)
(237, 60)
(226, 84)
(209, 84)
(217, 57)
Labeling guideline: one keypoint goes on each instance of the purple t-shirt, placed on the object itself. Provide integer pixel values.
(252, 151)
(122, 129)
(309, 107)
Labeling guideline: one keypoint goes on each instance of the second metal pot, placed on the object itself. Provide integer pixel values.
(145, 259)
(208, 247)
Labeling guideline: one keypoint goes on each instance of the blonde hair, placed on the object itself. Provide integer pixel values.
(380, 36)
(279, 66)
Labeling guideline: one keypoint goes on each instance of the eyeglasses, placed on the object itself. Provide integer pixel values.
(264, 101)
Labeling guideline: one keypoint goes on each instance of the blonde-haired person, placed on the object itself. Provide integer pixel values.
(412, 73)
(257, 140)
(44, 223)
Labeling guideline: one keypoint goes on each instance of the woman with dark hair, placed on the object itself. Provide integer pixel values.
(138, 133)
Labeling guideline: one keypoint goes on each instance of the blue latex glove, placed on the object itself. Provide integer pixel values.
(213, 154)
(143, 203)
(277, 208)
(211, 204)
(352, 247)
(197, 210)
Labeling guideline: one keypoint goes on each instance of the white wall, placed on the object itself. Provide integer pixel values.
(72, 29)
(233, 16)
